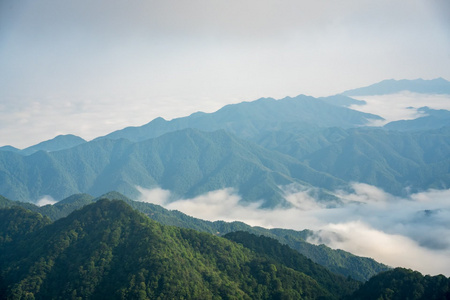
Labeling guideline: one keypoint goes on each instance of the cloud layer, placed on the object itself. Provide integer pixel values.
(401, 106)
(412, 232)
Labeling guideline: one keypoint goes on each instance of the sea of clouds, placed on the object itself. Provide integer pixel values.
(411, 232)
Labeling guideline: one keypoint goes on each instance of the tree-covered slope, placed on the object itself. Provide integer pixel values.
(249, 119)
(17, 222)
(390, 160)
(187, 162)
(399, 284)
(108, 250)
(338, 285)
(337, 261)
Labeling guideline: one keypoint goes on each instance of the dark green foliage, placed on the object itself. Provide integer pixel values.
(399, 284)
(17, 222)
(338, 261)
(108, 250)
(338, 285)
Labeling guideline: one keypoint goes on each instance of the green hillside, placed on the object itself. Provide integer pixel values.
(337, 261)
(401, 284)
(108, 250)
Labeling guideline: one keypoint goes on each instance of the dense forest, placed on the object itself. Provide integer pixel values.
(109, 250)
(337, 261)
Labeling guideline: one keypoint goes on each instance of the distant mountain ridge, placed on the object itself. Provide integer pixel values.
(186, 162)
(432, 119)
(249, 119)
(392, 86)
(60, 142)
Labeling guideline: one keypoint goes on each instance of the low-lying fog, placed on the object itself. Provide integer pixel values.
(412, 232)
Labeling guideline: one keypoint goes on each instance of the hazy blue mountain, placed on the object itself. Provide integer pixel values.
(432, 119)
(391, 86)
(300, 142)
(186, 162)
(249, 119)
(391, 160)
(60, 142)
(337, 261)
(342, 100)
(9, 148)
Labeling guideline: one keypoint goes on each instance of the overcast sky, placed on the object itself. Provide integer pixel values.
(89, 67)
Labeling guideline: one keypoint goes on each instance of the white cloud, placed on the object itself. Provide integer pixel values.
(400, 106)
(411, 232)
(392, 249)
(46, 200)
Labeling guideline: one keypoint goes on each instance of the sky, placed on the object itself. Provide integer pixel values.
(89, 67)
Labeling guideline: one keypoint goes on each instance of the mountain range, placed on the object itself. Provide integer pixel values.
(267, 143)
(88, 247)
(108, 250)
(338, 261)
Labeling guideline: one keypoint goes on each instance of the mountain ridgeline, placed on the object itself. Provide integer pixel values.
(187, 162)
(98, 244)
(338, 261)
(256, 148)
(108, 250)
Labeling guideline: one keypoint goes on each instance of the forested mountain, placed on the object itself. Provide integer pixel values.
(186, 162)
(283, 254)
(399, 284)
(250, 119)
(338, 261)
(388, 159)
(190, 162)
(107, 250)
(325, 149)
(256, 149)
(391, 86)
